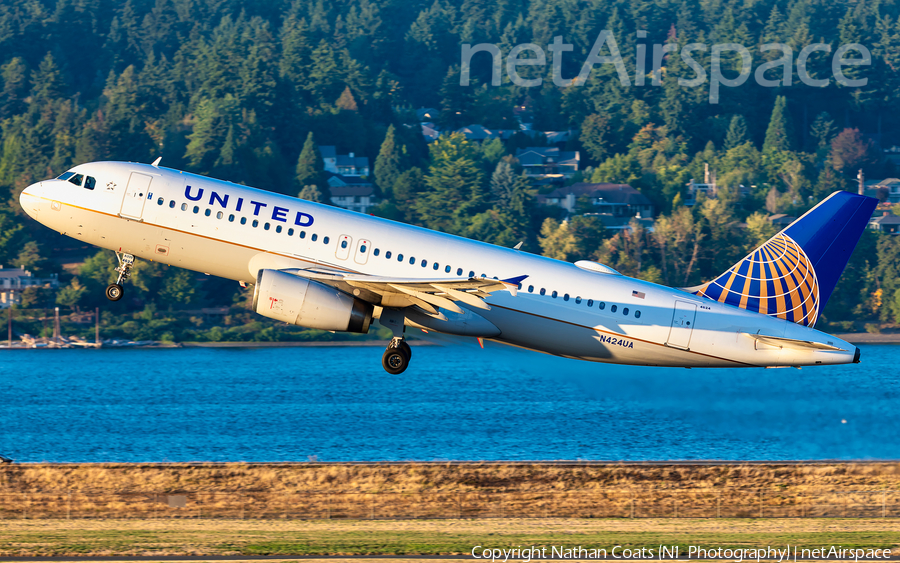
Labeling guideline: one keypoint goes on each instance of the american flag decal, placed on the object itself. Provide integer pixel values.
(638, 294)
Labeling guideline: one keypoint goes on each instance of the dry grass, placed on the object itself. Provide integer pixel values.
(326, 491)
(436, 478)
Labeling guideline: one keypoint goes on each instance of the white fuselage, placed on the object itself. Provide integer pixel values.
(155, 216)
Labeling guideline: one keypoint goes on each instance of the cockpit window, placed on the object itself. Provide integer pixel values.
(76, 179)
(65, 175)
(90, 182)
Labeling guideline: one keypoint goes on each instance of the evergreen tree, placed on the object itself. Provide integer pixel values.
(15, 87)
(737, 132)
(46, 81)
(310, 168)
(595, 136)
(387, 163)
(779, 134)
(312, 193)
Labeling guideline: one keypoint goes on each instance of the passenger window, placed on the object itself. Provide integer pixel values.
(302, 234)
(266, 226)
(325, 240)
(387, 255)
(625, 311)
(65, 175)
(362, 249)
(637, 314)
(376, 252)
(90, 183)
(219, 215)
(471, 274)
(424, 263)
(590, 303)
(459, 271)
(231, 218)
(76, 179)
(255, 223)
(530, 289)
(196, 209)
(612, 308)
(543, 291)
(554, 294)
(243, 220)
(566, 297)
(344, 244)
(578, 300)
(446, 268)
(290, 232)
(314, 237)
(171, 203)
(160, 201)
(208, 212)
(602, 305)
(399, 258)
(412, 260)
(184, 207)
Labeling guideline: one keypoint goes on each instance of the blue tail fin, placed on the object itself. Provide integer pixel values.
(793, 274)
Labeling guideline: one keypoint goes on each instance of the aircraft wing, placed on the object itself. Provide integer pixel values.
(427, 294)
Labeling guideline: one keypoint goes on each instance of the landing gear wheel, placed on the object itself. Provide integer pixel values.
(405, 347)
(114, 292)
(395, 360)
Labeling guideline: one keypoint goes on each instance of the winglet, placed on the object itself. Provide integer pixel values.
(157, 161)
(512, 284)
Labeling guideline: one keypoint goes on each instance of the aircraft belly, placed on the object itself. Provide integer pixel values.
(594, 344)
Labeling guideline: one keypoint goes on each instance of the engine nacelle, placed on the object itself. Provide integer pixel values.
(297, 300)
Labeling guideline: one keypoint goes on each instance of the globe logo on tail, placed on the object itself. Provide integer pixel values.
(776, 279)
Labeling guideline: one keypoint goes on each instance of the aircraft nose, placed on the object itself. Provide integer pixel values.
(29, 200)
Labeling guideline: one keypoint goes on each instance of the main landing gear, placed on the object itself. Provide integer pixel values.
(115, 291)
(396, 357)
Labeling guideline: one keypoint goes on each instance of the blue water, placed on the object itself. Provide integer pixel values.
(455, 402)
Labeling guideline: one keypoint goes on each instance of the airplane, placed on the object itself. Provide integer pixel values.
(328, 268)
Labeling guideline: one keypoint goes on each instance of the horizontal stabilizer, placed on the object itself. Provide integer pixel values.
(780, 342)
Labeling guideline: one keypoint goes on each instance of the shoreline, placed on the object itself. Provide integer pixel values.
(854, 338)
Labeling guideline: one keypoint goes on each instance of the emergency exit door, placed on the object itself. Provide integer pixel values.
(136, 193)
(682, 325)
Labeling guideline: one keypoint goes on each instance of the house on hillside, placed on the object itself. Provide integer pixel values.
(352, 192)
(477, 133)
(13, 281)
(887, 190)
(546, 161)
(343, 164)
(615, 204)
(887, 223)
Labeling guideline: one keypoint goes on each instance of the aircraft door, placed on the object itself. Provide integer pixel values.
(136, 194)
(363, 248)
(682, 325)
(343, 247)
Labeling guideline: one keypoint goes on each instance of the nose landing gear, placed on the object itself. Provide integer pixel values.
(396, 357)
(115, 291)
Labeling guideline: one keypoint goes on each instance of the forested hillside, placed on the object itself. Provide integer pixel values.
(236, 89)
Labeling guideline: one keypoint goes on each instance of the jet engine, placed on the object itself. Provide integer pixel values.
(297, 300)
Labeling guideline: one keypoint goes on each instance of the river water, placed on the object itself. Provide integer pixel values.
(456, 402)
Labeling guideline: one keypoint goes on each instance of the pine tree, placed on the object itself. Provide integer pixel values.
(595, 136)
(737, 132)
(46, 82)
(15, 88)
(310, 166)
(346, 102)
(779, 135)
(312, 193)
(387, 164)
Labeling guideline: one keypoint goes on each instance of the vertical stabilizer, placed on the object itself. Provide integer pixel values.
(792, 275)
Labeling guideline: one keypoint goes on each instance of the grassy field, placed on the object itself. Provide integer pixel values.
(267, 537)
